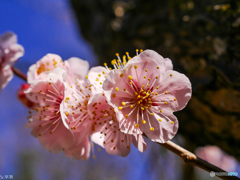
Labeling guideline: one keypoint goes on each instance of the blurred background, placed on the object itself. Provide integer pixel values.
(202, 39)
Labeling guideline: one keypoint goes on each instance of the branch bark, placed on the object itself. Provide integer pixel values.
(191, 159)
(20, 74)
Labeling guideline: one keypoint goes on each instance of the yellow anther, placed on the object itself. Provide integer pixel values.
(117, 54)
(121, 75)
(149, 79)
(157, 67)
(157, 87)
(161, 111)
(127, 53)
(125, 90)
(123, 103)
(159, 120)
(144, 76)
(137, 50)
(66, 113)
(130, 77)
(143, 121)
(165, 102)
(142, 108)
(86, 77)
(166, 92)
(113, 62)
(117, 89)
(152, 93)
(156, 77)
(97, 79)
(135, 66)
(136, 125)
(126, 116)
(110, 68)
(151, 114)
(136, 116)
(141, 50)
(131, 106)
(130, 83)
(171, 122)
(120, 107)
(174, 99)
(136, 93)
(151, 129)
(148, 85)
(170, 74)
(105, 64)
(143, 86)
(146, 70)
(138, 96)
(156, 94)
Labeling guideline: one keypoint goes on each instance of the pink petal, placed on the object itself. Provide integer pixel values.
(118, 147)
(79, 151)
(60, 138)
(7, 40)
(148, 55)
(5, 76)
(139, 142)
(96, 77)
(168, 64)
(177, 86)
(96, 138)
(164, 130)
(78, 67)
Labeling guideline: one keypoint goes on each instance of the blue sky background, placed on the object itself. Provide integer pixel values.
(48, 26)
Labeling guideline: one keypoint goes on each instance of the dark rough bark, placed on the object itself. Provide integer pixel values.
(201, 38)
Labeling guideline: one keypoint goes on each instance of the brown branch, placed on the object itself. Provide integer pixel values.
(20, 74)
(193, 160)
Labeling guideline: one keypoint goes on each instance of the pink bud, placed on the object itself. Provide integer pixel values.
(22, 97)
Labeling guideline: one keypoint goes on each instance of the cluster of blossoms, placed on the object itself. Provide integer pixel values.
(10, 51)
(74, 107)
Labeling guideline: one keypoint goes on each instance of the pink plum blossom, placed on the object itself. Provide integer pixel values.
(22, 96)
(49, 122)
(217, 157)
(10, 51)
(99, 105)
(109, 135)
(73, 66)
(145, 92)
(79, 118)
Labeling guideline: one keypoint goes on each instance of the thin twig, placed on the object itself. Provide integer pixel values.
(193, 160)
(20, 74)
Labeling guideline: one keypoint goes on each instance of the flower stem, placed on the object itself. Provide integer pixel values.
(19, 73)
(193, 160)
